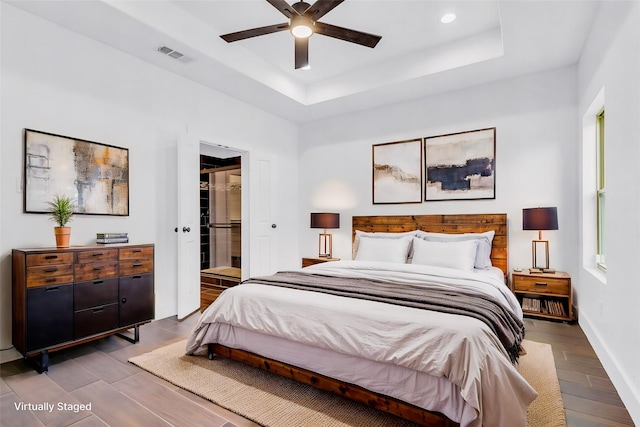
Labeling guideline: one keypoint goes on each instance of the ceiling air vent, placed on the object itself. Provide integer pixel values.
(174, 54)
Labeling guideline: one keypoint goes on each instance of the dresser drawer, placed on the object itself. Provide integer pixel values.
(130, 267)
(136, 252)
(96, 270)
(549, 285)
(95, 293)
(95, 320)
(99, 255)
(50, 258)
(47, 275)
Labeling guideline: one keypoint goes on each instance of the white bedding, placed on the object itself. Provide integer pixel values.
(461, 352)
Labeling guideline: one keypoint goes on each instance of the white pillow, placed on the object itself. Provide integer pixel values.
(377, 235)
(387, 250)
(459, 255)
(483, 252)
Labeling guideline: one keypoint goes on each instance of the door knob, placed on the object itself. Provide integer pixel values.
(186, 229)
(273, 226)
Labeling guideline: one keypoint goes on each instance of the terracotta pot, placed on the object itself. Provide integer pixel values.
(63, 234)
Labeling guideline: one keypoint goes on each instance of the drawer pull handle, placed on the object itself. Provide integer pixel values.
(98, 310)
(51, 257)
(136, 265)
(51, 270)
(99, 267)
(136, 250)
(52, 288)
(51, 280)
(137, 277)
(98, 254)
(541, 284)
(98, 282)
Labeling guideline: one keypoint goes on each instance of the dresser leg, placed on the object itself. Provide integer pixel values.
(43, 365)
(136, 335)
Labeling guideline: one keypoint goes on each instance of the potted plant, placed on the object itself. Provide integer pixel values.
(61, 209)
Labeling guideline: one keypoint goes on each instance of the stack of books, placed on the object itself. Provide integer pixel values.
(556, 308)
(531, 304)
(112, 238)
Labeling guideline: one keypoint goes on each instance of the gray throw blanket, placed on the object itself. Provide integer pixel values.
(505, 324)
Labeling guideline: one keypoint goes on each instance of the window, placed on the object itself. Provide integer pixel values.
(600, 191)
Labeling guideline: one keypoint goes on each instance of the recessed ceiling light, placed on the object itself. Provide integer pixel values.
(448, 18)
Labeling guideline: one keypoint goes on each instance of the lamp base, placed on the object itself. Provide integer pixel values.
(324, 245)
(539, 251)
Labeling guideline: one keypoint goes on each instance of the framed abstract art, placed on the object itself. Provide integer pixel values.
(397, 172)
(94, 175)
(460, 166)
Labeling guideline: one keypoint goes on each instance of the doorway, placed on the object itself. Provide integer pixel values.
(220, 224)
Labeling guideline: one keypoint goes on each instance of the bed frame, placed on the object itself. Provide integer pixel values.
(465, 223)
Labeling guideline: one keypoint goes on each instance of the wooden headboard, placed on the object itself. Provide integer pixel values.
(463, 223)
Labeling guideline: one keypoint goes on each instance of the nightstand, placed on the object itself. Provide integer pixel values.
(545, 295)
(306, 262)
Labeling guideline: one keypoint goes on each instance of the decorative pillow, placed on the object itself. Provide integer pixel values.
(387, 250)
(483, 252)
(377, 235)
(459, 255)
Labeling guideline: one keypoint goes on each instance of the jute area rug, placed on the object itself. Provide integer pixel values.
(274, 401)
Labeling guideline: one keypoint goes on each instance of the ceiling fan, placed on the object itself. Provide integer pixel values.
(303, 23)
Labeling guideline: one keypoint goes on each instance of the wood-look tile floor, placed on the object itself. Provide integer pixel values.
(121, 394)
(589, 397)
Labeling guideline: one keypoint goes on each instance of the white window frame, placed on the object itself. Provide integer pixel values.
(589, 213)
(600, 191)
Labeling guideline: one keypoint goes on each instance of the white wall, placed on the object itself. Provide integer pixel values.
(609, 312)
(60, 82)
(536, 159)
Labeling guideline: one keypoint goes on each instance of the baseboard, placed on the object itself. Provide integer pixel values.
(9, 355)
(629, 394)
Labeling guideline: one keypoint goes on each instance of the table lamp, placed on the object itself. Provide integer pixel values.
(540, 219)
(325, 220)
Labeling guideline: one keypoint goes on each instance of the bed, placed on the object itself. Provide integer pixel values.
(419, 324)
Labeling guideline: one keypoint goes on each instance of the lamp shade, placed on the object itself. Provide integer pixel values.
(540, 219)
(325, 220)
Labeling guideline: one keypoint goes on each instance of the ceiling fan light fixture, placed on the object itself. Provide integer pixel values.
(301, 26)
(303, 23)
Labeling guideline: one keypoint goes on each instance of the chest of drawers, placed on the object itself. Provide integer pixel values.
(63, 297)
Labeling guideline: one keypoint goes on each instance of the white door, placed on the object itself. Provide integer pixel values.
(264, 193)
(188, 226)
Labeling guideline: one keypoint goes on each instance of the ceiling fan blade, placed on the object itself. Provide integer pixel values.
(284, 8)
(346, 34)
(302, 52)
(321, 8)
(247, 34)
